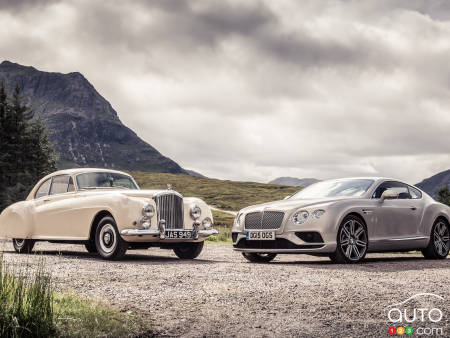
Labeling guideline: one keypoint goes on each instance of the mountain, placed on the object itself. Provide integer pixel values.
(83, 125)
(294, 182)
(194, 173)
(432, 184)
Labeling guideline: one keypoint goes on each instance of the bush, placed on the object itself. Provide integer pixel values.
(26, 303)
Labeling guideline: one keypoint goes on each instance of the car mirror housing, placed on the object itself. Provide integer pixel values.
(388, 195)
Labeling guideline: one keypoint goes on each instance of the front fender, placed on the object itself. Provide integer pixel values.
(16, 221)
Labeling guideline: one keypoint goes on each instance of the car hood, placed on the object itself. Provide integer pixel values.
(285, 205)
(130, 193)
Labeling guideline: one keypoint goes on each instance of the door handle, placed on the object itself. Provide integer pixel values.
(47, 200)
(413, 208)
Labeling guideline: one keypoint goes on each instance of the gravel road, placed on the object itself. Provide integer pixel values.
(221, 294)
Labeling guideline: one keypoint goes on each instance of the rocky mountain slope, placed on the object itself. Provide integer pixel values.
(294, 182)
(432, 184)
(85, 128)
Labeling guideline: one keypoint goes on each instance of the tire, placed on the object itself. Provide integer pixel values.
(23, 245)
(439, 244)
(352, 241)
(91, 247)
(256, 257)
(108, 241)
(189, 250)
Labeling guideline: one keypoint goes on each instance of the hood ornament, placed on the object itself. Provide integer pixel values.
(169, 186)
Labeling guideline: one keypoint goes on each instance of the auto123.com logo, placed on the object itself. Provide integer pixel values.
(418, 315)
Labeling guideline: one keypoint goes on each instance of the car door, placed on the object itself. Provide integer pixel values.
(397, 221)
(52, 209)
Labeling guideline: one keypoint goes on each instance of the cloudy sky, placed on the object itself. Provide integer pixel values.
(253, 90)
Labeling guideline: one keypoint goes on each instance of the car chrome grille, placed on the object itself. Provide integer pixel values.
(266, 220)
(169, 207)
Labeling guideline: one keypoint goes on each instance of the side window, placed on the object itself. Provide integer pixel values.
(60, 184)
(71, 185)
(415, 193)
(43, 189)
(401, 188)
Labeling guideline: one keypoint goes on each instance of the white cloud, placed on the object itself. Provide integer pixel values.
(266, 89)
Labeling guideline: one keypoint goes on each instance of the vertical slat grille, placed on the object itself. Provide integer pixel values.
(264, 220)
(169, 207)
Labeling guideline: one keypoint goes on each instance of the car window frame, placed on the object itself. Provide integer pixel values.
(61, 193)
(48, 192)
(420, 192)
(391, 181)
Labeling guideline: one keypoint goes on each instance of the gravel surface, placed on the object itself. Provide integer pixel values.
(221, 294)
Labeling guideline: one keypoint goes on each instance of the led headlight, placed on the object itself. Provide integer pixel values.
(237, 220)
(317, 213)
(148, 211)
(207, 223)
(300, 217)
(195, 212)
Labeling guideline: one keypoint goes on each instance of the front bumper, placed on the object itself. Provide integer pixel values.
(157, 233)
(287, 242)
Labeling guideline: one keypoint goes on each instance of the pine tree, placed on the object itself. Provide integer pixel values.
(444, 195)
(26, 154)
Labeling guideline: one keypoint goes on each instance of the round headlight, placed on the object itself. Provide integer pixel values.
(195, 212)
(300, 217)
(317, 213)
(148, 211)
(207, 223)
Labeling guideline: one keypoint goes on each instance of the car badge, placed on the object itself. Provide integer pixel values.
(169, 186)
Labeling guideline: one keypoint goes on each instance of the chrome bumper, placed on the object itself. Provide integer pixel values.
(143, 232)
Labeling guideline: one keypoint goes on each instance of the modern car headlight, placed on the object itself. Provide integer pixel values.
(195, 212)
(317, 213)
(237, 220)
(300, 217)
(207, 223)
(148, 211)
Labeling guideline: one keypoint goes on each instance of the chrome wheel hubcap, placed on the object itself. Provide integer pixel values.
(107, 238)
(441, 238)
(353, 240)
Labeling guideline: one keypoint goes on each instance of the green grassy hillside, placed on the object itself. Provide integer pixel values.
(226, 195)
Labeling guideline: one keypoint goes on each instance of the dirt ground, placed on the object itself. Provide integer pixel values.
(221, 294)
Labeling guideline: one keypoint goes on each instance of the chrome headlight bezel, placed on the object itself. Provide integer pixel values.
(195, 212)
(317, 213)
(300, 217)
(207, 223)
(148, 211)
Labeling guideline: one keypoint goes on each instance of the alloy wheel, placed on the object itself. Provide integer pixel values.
(441, 238)
(353, 240)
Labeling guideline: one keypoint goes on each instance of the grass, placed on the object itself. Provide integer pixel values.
(29, 307)
(226, 195)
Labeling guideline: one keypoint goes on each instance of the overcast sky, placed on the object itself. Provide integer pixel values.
(254, 90)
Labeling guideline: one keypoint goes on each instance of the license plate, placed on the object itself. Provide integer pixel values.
(260, 235)
(178, 234)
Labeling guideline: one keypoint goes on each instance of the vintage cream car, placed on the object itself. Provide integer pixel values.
(106, 211)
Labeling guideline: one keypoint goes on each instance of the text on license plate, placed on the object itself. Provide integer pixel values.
(178, 234)
(260, 235)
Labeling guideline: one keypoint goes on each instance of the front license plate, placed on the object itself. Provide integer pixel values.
(260, 235)
(178, 234)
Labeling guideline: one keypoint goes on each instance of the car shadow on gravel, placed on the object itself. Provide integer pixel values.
(132, 258)
(382, 264)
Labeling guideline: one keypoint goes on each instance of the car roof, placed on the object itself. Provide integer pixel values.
(77, 171)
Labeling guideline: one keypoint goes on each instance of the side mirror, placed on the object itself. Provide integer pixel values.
(287, 197)
(388, 195)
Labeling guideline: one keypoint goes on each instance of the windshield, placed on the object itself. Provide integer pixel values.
(335, 188)
(105, 180)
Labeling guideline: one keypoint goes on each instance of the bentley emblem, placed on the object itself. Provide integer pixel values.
(169, 186)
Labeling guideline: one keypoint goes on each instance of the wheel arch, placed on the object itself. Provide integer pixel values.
(97, 218)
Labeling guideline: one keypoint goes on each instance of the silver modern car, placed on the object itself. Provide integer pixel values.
(344, 219)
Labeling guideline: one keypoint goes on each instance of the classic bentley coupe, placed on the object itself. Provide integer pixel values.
(106, 211)
(344, 219)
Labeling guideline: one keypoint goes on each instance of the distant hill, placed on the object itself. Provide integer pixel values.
(194, 173)
(84, 126)
(294, 182)
(432, 184)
